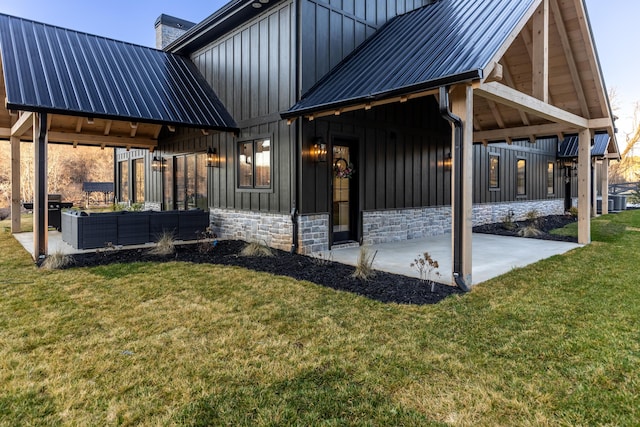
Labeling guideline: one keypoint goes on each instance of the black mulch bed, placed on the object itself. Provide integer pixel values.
(384, 287)
(544, 224)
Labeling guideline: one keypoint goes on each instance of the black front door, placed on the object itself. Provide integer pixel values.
(344, 191)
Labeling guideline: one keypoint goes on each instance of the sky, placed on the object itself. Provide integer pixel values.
(615, 27)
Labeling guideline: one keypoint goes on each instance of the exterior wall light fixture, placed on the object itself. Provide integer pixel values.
(157, 164)
(213, 159)
(318, 150)
(447, 162)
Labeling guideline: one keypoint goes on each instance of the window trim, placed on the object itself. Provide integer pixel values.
(254, 139)
(497, 186)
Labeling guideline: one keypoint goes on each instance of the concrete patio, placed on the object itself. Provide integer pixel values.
(492, 255)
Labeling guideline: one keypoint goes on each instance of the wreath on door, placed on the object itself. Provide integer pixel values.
(343, 169)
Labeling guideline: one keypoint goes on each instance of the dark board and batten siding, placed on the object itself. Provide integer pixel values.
(537, 156)
(332, 29)
(401, 151)
(252, 70)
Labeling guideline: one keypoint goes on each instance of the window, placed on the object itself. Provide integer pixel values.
(550, 178)
(494, 171)
(188, 189)
(522, 177)
(254, 163)
(138, 182)
(124, 181)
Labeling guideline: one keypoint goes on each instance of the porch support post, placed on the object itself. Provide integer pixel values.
(540, 58)
(40, 207)
(605, 186)
(462, 186)
(584, 187)
(595, 180)
(15, 185)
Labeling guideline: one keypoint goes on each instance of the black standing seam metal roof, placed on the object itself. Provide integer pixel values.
(446, 42)
(56, 70)
(569, 146)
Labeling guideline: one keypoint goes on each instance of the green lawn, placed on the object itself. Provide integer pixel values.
(556, 343)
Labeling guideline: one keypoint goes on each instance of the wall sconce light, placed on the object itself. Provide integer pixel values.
(157, 164)
(213, 159)
(318, 150)
(447, 162)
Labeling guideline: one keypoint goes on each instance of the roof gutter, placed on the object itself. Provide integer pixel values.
(446, 113)
(465, 77)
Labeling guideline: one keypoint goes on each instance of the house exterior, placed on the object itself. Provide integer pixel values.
(360, 122)
(270, 185)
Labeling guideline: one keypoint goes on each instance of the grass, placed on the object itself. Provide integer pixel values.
(556, 343)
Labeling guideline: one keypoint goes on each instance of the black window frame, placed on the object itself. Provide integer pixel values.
(551, 178)
(254, 141)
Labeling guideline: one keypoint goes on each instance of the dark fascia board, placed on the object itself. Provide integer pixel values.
(432, 84)
(40, 110)
(230, 16)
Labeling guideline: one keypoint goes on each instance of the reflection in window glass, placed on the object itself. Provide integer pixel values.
(494, 171)
(167, 172)
(245, 168)
(124, 181)
(138, 183)
(202, 201)
(522, 177)
(550, 177)
(263, 163)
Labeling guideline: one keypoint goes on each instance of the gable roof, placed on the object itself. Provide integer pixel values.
(442, 43)
(56, 70)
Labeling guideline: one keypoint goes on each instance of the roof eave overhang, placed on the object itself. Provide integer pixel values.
(466, 77)
(40, 109)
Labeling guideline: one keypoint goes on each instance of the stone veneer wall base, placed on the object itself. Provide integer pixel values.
(276, 230)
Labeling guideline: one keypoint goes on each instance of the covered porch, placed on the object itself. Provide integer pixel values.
(510, 71)
(65, 87)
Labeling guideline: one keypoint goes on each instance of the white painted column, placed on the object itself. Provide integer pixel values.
(584, 187)
(15, 185)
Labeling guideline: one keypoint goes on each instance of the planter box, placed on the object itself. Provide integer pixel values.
(93, 231)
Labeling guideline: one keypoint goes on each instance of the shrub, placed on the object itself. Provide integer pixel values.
(165, 244)
(56, 261)
(507, 222)
(529, 231)
(532, 215)
(364, 267)
(426, 266)
(255, 249)
(573, 211)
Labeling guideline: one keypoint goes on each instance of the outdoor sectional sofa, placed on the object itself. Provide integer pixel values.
(89, 231)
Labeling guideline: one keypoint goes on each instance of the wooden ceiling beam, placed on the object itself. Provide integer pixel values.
(531, 132)
(97, 139)
(508, 79)
(79, 122)
(505, 95)
(540, 52)
(496, 114)
(592, 56)
(571, 61)
(107, 127)
(23, 124)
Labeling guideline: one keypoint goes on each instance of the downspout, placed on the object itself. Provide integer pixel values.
(446, 113)
(297, 143)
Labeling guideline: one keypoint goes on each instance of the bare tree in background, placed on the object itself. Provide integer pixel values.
(68, 168)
